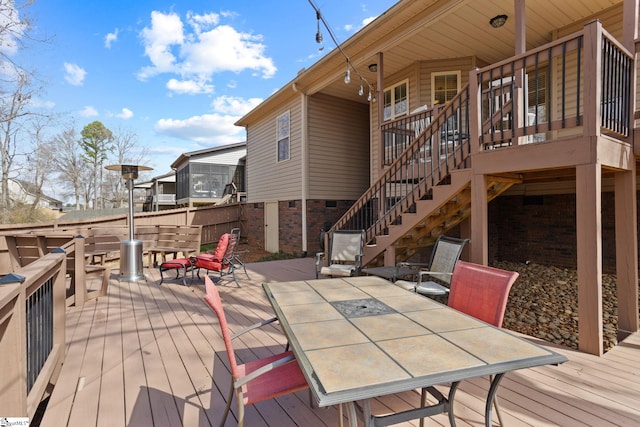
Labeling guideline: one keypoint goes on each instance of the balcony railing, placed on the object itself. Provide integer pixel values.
(521, 100)
(32, 317)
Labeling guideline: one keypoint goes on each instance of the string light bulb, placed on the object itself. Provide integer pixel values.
(347, 74)
(370, 97)
(318, 33)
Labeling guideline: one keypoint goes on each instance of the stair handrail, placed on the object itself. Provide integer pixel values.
(414, 172)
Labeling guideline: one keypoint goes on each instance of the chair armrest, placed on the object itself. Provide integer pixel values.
(254, 326)
(435, 274)
(263, 370)
(411, 264)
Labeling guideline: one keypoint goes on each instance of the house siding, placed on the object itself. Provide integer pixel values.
(338, 148)
(268, 179)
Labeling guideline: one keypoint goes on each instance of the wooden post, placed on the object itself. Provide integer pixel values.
(13, 393)
(479, 220)
(626, 229)
(79, 284)
(592, 78)
(589, 251)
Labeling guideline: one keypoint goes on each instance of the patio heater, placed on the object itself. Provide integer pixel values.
(131, 249)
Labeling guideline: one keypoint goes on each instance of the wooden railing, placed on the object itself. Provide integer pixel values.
(32, 342)
(509, 108)
(526, 98)
(443, 145)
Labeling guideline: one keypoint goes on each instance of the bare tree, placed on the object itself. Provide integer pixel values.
(13, 108)
(40, 160)
(16, 89)
(67, 159)
(125, 151)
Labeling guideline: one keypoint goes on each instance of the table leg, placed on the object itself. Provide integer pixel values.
(351, 414)
(493, 389)
(450, 400)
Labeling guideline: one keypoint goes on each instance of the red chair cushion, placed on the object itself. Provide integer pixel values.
(208, 262)
(175, 263)
(223, 242)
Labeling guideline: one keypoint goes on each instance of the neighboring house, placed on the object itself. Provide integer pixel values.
(517, 134)
(204, 177)
(25, 192)
(160, 192)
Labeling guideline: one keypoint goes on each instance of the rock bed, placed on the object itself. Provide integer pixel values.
(543, 303)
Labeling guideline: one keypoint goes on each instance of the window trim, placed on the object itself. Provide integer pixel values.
(282, 137)
(391, 90)
(435, 74)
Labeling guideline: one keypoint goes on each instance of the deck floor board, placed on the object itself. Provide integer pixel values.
(150, 355)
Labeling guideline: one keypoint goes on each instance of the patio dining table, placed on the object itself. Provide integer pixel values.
(358, 338)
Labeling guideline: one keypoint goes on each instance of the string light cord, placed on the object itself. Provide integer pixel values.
(350, 65)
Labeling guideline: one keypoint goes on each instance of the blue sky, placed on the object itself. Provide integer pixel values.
(178, 74)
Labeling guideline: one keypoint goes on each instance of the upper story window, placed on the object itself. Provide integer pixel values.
(283, 136)
(396, 100)
(444, 86)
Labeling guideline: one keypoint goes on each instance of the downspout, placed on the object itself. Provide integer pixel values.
(304, 163)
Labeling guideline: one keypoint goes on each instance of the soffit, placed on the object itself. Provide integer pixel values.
(434, 30)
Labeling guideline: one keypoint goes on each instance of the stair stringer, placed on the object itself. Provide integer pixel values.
(442, 195)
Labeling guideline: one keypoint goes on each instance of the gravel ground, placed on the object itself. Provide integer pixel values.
(543, 303)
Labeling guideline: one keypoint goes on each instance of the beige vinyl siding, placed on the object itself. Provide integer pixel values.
(268, 179)
(338, 148)
(428, 67)
(231, 157)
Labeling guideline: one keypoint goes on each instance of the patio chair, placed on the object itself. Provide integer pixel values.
(435, 277)
(223, 260)
(258, 380)
(482, 292)
(346, 248)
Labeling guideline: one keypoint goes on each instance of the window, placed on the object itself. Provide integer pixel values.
(283, 137)
(396, 101)
(444, 86)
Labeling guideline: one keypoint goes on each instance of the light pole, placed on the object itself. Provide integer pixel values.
(131, 249)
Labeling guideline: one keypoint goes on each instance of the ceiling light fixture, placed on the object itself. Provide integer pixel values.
(373, 67)
(498, 21)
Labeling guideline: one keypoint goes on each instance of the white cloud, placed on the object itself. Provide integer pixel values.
(367, 21)
(88, 111)
(12, 29)
(216, 128)
(41, 103)
(74, 74)
(205, 129)
(165, 32)
(125, 114)
(110, 38)
(191, 87)
(200, 48)
(235, 105)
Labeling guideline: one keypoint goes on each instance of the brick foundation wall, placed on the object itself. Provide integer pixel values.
(542, 229)
(254, 214)
(290, 217)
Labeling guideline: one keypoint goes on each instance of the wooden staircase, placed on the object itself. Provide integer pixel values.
(419, 228)
(424, 191)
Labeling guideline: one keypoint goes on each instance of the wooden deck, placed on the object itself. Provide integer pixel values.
(149, 355)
